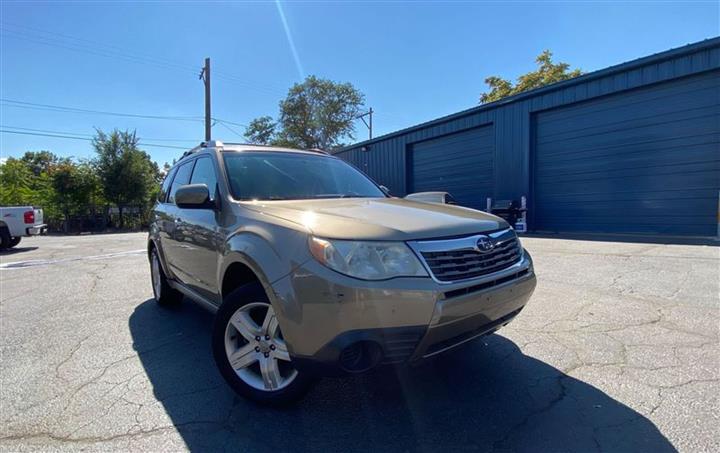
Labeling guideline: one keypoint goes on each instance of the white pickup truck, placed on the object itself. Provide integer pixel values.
(19, 221)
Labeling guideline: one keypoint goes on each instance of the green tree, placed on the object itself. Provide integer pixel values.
(75, 188)
(127, 174)
(15, 182)
(546, 73)
(261, 130)
(316, 113)
(40, 161)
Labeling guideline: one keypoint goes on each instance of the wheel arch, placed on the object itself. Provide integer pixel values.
(260, 251)
(152, 244)
(239, 269)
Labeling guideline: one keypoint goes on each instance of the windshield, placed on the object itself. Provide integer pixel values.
(294, 176)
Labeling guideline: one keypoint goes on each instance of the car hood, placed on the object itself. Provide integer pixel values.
(382, 219)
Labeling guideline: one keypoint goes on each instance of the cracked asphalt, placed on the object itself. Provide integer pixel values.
(618, 350)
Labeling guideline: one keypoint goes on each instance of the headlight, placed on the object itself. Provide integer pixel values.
(367, 260)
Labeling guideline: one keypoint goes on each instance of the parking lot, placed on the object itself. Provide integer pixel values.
(618, 350)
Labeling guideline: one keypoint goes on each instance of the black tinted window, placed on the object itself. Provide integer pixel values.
(292, 176)
(204, 173)
(182, 177)
(166, 186)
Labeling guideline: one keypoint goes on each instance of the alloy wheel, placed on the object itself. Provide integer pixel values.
(256, 349)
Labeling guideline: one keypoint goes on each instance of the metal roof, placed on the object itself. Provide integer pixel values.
(655, 58)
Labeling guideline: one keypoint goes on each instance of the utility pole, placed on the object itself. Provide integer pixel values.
(368, 123)
(370, 126)
(205, 77)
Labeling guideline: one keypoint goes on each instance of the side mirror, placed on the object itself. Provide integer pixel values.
(193, 196)
(449, 199)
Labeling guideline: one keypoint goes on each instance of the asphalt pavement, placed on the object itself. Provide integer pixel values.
(618, 350)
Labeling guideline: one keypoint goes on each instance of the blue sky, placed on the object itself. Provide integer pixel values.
(415, 61)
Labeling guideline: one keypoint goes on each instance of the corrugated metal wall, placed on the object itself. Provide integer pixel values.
(646, 161)
(385, 158)
(461, 163)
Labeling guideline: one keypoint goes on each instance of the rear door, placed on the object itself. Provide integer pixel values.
(162, 223)
(174, 237)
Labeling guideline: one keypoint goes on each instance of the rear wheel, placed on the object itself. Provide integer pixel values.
(15, 241)
(251, 352)
(164, 293)
(5, 238)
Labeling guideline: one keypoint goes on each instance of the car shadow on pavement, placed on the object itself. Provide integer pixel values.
(16, 250)
(485, 396)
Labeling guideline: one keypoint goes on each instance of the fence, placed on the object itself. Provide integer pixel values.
(95, 219)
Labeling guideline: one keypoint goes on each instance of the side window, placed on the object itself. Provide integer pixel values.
(204, 173)
(182, 177)
(166, 186)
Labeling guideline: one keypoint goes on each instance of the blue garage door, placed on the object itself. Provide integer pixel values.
(461, 164)
(646, 161)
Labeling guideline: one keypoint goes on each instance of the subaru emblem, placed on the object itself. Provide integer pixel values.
(484, 244)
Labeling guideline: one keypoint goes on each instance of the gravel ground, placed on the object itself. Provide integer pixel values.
(618, 350)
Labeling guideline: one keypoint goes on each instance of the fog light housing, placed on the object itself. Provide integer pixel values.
(360, 356)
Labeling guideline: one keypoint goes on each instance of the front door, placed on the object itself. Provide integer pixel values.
(201, 239)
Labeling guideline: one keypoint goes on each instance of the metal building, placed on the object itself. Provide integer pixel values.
(634, 148)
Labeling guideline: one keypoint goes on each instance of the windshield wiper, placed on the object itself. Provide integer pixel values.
(341, 195)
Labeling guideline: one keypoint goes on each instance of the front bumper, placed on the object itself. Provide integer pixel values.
(324, 316)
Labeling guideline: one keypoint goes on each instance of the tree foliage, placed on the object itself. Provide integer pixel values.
(64, 187)
(261, 130)
(15, 182)
(75, 186)
(40, 161)
(127, 174)
(547, 72)
(316, 113)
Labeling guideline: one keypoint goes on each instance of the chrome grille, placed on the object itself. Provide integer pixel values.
(461, 260)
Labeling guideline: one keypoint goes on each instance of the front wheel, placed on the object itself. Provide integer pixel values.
(251, 352)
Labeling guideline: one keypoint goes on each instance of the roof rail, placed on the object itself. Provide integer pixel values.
(253, 144)
(314, 150)
(202, 145)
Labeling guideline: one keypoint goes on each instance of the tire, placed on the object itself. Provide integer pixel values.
(266, 374)
(14, 241)
(165, 295)
(5, 238)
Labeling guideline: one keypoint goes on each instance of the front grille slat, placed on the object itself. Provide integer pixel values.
(461, 264)
(474, 260)
(466, 254)
(473, 269)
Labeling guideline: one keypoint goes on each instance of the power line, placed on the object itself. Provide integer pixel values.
(3, 131)
(93, 135)
(222, 123)
(64, 109)
(229, 122)
(110, 51)
(88, 44)
(59, 108)
(84, 49)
